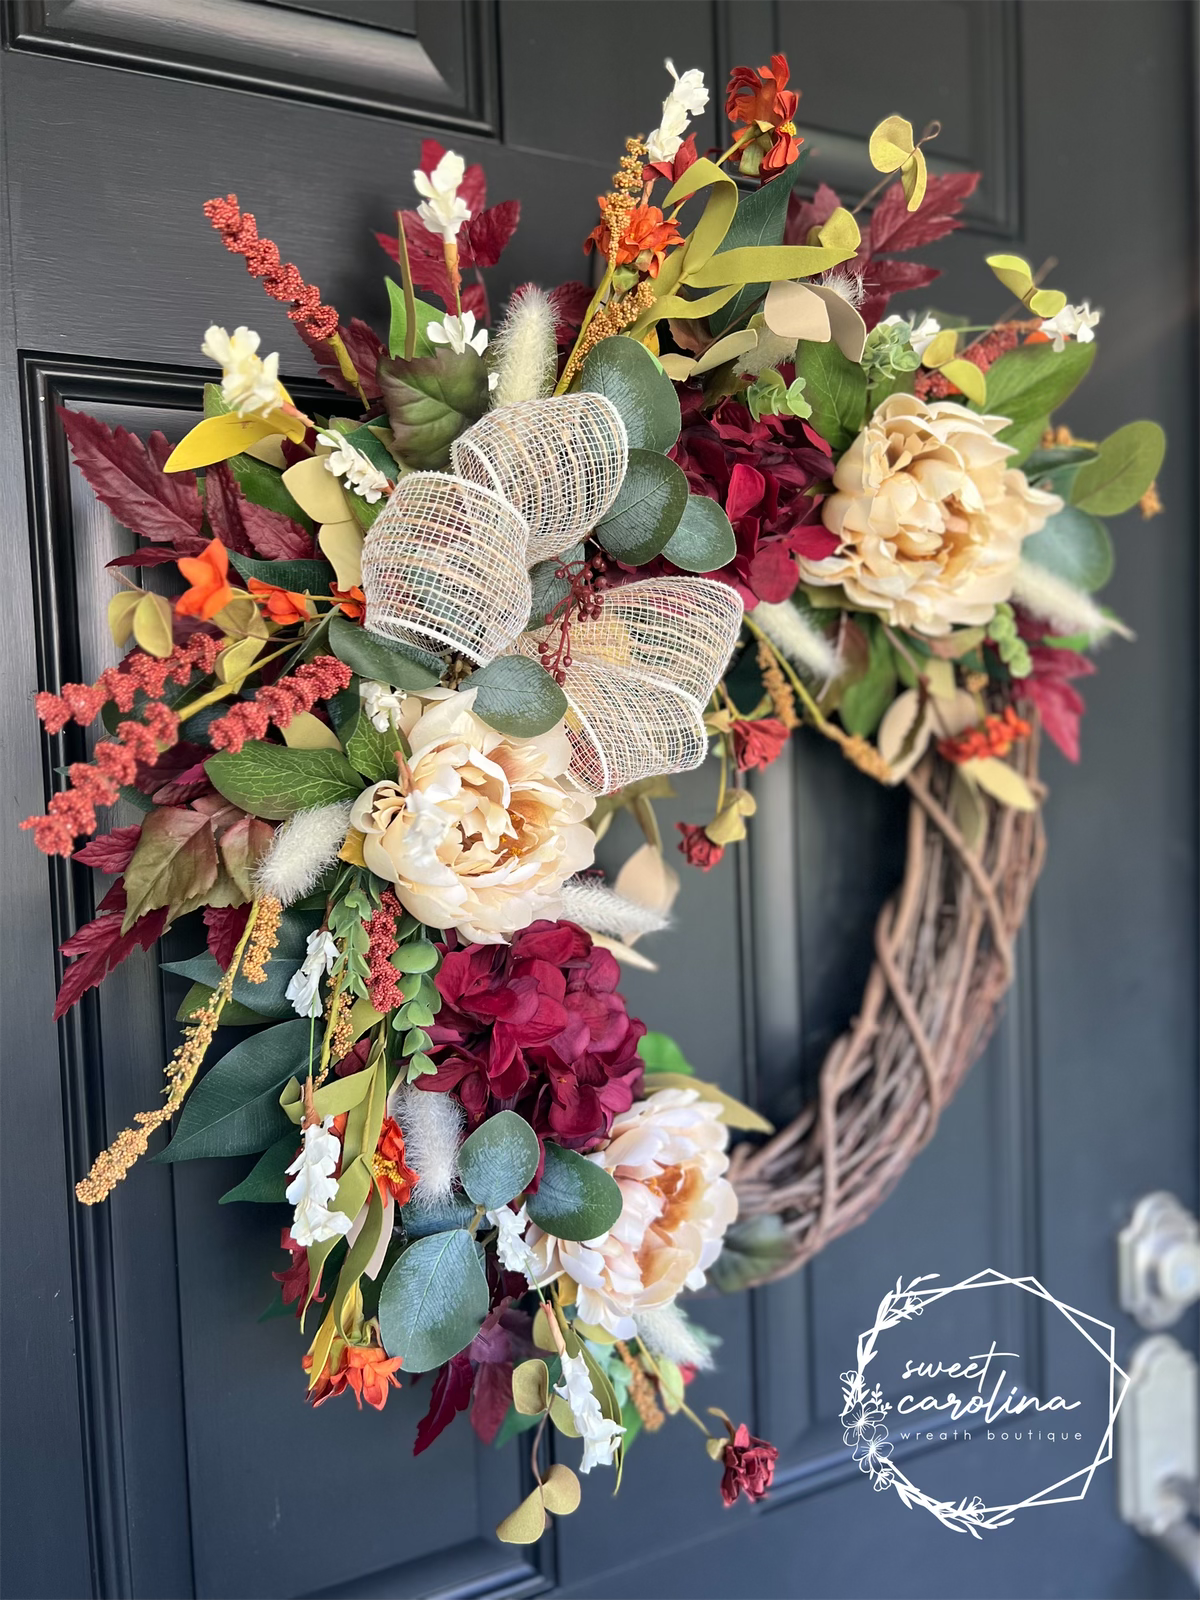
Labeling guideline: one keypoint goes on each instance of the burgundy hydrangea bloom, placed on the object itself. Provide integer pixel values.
(766, 475)
(749, 1466)
(537, 1026)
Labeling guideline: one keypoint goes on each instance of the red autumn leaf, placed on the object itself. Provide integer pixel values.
(221, 496)
(247, 529)
(111, 852)
(1059, 703)
(894, 227)
(487, 234)
(100, 947)
(451, 1394)
(570, 301)
(126, 476)
(805, 214)
(158, 555)
(362, 346)
(243, 846)
(225, 925)
(175, 860)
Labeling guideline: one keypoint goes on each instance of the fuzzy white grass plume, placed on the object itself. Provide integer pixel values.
(1068, 610)
(301, 850)
(525, 351)
(798, 640)
(770, 350)
(666, 1332)
(602, 910)
(432, 1126)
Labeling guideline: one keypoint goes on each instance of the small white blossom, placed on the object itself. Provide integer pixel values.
(442, 209)
(304, 989)
(600, 1437)
(921, 334)
(515, 1255)
(381, 704)
(686, 100)
(348, 463)
(458, 333)
(1072, 322)
(314, 1185)
(249, 382)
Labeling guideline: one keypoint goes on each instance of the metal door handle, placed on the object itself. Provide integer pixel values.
(1158, 1261)
(1158, 1441)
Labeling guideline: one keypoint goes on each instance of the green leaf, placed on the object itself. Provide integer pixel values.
(174, 863)
(233, 1015)
(864, 702)
(498, 1160)
(370, 752)
(1127, 464)
(1074, 546)
(430, 401)
(268, 999)
(263, 485)
(1023, 439)
(266, 1181)
(372, 656)
(550, 590)
(234, 1109)
(759, 220)
(399, 323)
(704, 539)
(417, 957)
(517, 696)
(419, 1221)
(434, 1301)
(647, 509)
(272, 781)
(625, 373)
(576, 1199)
(837, 391)
(1030, 383)
(301, 577)
(662, 1054)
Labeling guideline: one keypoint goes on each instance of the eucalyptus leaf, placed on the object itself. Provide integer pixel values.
(301, 577)
(625, 373)
(497, 1161)
(647, 509)
(549, 590)
(1028, 384)
(273, 781)
(704, 540)
(430, 401)
(575, 1199)
(419, 1220)
(1073, 546)
(1127, 464)
(434, 1300)
(517, 696)
(234, 1109)
(372, 656)
(267, 1179)
(836, 388)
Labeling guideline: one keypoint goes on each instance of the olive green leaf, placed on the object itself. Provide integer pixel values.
(429, 402)
(703, 541)
(372, 656)
(234, 1109)
(836, 389)
(1127, 464)
(1074, 546)
(272, 781)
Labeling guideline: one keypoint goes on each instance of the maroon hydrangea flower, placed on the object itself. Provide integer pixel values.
(536, 1026)
(749, 1466)
(766, 475)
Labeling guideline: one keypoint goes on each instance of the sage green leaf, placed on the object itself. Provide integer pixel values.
(759, 220)
(273, 781)
(627, 375)
(421, 1220)
(234, 1109)
(1074, 546)
(1023, 439)
(576, 1199)
(531, 1387)
(267, 999)
(1030, 383)
(498, 1160)
(662, 1054)
(837, 391)
(416, 957)
(517, 696)
(430, 401)
(263, 485)
(549, 590)
(526, 1524)
(434, 1301)
(370, 752)
(1127, 464)
(647, 510)
(704, 539)
(301, 577)
(267, 1179)
(372, 656)
(751, 1251)
(864, 701)
(399, 323)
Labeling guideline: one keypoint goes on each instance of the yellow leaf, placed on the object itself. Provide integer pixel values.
(671, 1387)
(531, 1387)
(1002, 782)
(236, 660)
(913, 178)
(241, 619)
(891, 144)
(940, 348)
(342, 544)
(733, 1113)
(120, 615)
(682, 310)
(343, 1094)
(728, 826)
(560, 1416)
(561, 1490)
(542, 1336)
(840, 231)
(903, 735)
(216, 439)
(363, 1015)
(678, 368)
(586, 1330)
(1046, 302)
(317, 491)
(352, 850)
(715, 1448)
(347, 368)
(306, 732)
(1015, 274)
(768, 263)
(152, 625)
(718, 213)
(939, 674)
(966, 376)
(526, 1524)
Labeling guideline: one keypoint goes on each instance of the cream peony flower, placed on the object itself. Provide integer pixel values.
(479, 833)
(930, 518)
(667, 1153)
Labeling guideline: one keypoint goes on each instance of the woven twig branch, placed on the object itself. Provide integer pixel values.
(943, 963)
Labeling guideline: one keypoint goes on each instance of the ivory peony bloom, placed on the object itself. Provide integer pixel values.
(667, 1153)
(930, 517)
(478, 833)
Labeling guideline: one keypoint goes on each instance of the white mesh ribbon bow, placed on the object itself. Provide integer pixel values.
(446, 567)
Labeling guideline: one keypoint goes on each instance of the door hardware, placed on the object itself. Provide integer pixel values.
(1158, 1441)
(1158, 1261)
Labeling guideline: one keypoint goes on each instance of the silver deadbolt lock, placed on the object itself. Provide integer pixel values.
(1158, 1261)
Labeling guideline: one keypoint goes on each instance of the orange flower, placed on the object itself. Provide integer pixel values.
(283, 606)
(351, 602)
(367, 1370)
(208, 576)
(389, 1165)
(762, 100)
(645, 241)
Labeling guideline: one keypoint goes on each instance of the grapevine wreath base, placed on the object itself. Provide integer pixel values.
(943, 964)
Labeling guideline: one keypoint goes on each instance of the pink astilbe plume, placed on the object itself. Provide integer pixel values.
(281, 279)
(383, 984)
(278, 703)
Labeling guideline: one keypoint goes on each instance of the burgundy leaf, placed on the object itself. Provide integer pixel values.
(1059, 703)
(894, 227)
(570, 301)
(221, 500)
(225, 925)
(451, 1393)
(251, 530)
(474, 298)
(487, 234)
(111, 852)
(167, 766)
(100, 947)
(805, 214)
(362, 346)
(126, 475)
(493, 1397)
(160, 555)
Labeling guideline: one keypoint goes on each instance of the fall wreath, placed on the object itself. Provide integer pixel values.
(428, 643)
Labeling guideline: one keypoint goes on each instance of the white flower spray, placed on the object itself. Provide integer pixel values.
(600, 1437)
(249, 382)
(301, 851)
(798, 640)
(313, 1185)
(304, 986)
(525, 351)
(1068, 610)
(432, 1125)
